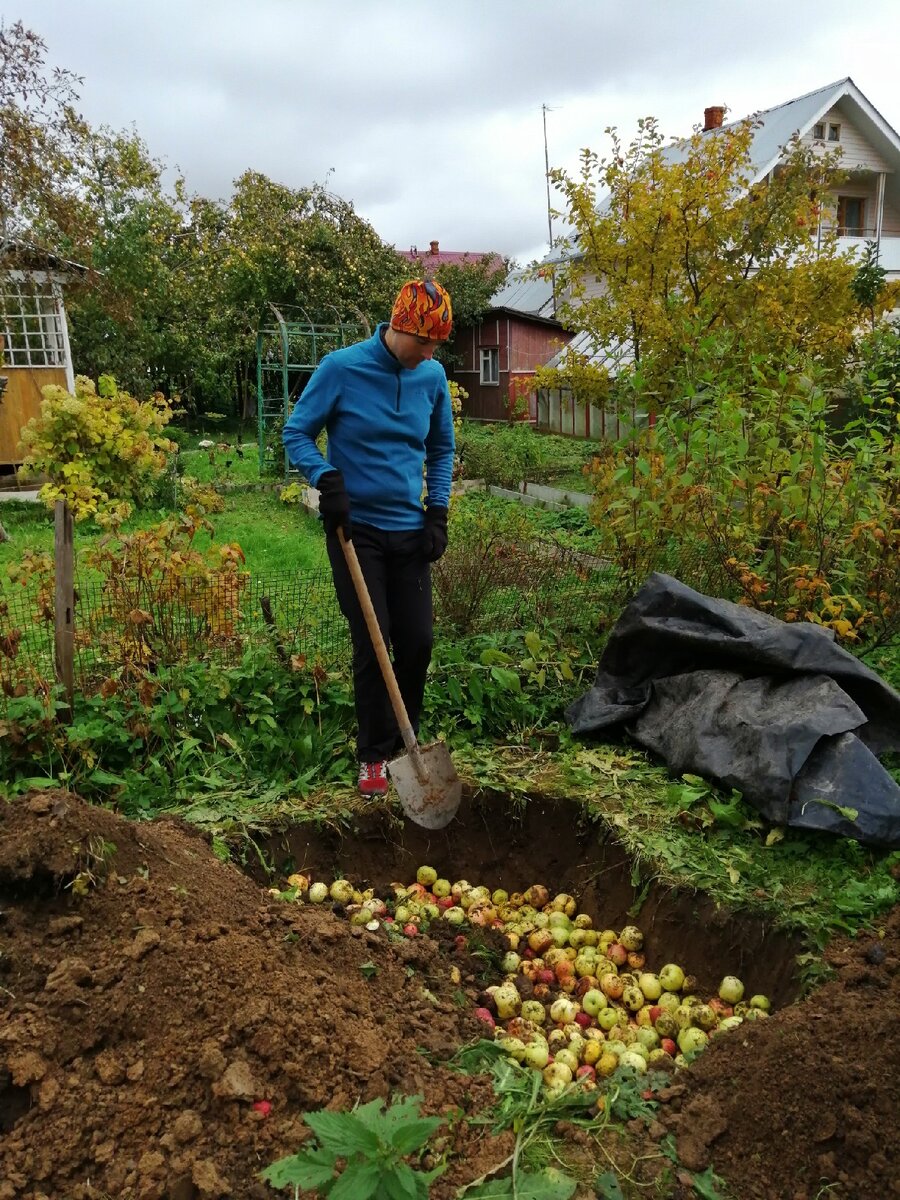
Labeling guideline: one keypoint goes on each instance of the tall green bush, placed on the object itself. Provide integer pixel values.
(803, 521)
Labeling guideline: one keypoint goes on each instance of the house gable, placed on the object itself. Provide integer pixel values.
(857, 152)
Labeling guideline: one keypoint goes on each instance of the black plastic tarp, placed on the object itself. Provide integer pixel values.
(778, 711)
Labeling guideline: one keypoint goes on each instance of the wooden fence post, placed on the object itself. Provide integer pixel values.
(64, 607)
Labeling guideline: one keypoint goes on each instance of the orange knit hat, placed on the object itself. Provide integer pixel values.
(423, 308)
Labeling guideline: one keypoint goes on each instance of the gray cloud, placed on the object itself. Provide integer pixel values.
(430, 118)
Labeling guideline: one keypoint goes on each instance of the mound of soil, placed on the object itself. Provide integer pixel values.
(152, 995)
(806, 1104)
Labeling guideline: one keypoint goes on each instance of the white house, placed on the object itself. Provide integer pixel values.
(865, 207)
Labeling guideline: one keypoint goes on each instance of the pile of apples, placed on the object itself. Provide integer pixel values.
(575, 1002)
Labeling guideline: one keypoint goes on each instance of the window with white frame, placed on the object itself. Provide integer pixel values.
(490, 365)
(819, 131)
(834, 132)
(31, 323)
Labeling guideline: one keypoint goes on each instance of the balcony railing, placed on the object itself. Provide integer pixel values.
(869, 232)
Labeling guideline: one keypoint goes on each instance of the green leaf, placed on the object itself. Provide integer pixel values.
(479, 1056)
(607, 1187)
(494, 1189)
(400, 1183)
(307, 1170)
(342, 1133)
(370, 1115)
(105, 777)
(549, 1184)
(506, 678)
(730, 816)
(492, 655)
(705, 1185)
(359, 1181)
(411, 1135)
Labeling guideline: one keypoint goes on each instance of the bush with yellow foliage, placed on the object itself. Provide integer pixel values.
(101, 450)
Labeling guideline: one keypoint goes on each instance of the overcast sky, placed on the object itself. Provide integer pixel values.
(428, 116)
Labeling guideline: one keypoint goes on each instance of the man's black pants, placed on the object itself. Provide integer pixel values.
(399, 582)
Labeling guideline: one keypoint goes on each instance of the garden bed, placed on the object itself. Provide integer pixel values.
(154, 996)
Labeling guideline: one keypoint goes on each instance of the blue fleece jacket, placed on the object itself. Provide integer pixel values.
(384, 424)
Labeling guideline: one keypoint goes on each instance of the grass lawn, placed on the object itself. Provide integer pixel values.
(221, 466)
(274, 536)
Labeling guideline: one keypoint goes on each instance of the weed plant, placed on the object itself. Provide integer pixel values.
(362, 1154)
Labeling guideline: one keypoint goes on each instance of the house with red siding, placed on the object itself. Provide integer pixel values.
(501, 352)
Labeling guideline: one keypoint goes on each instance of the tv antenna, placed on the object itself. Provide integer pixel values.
(545, 108)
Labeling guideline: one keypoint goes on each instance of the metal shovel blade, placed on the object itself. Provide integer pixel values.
(431, 803)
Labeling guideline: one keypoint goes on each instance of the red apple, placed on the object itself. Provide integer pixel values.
(483, 1015)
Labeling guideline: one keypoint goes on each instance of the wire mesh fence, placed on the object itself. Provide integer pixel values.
(159, 621)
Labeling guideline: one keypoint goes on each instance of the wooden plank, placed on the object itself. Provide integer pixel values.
(20, 402)
(64, 607)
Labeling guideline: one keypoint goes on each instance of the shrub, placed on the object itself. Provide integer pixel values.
(801, 522)
(507, 455)
(101, 450)
(163, 599)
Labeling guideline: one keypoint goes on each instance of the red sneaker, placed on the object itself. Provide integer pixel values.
(373, 779)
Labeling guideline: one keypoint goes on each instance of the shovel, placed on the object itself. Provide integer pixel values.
(425, 778)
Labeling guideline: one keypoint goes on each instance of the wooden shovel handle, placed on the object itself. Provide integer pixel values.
(381, 653)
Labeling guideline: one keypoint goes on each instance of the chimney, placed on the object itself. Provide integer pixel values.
(713, 117)
(434, 247)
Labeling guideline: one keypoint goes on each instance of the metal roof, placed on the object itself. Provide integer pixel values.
(525, 294)
(613, 358)
(778, 125)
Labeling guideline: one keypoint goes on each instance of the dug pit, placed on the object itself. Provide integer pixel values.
(166, 1022)
(501, 843)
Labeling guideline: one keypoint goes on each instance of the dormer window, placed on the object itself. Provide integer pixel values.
(834, 132)
(819, 131)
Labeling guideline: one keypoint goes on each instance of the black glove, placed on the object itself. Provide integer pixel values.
(334, 503)
(434, 534)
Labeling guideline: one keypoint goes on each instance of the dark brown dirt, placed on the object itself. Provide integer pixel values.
(806, 1104)
(142, 1018)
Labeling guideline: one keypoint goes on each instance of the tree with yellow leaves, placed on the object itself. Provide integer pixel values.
(687, 243)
